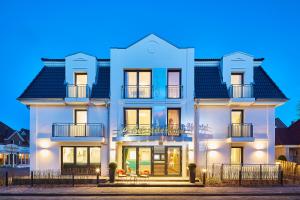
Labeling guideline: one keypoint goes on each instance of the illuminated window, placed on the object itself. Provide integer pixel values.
(236, 155)
(80, 78)
(173, 121)
(95, 155)
(81, 155)
(137, 84)
(174, 83)
(237, 79)
(237, 117)
(80, 116)
(140, 119)
(68, 155)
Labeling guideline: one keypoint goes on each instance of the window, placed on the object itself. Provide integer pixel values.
(174, 84)
(237, 116)
(237, 78)
(80, 79)
(236, 155)
(174, 121)
(138, 121)
(80, 116)
(137, 84)
(68, 155)
(81, 155)
(95, 155)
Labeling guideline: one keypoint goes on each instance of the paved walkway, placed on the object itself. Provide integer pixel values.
(151, 191)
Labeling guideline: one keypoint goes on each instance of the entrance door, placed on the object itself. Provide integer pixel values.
(137, 160)
(236, 156)
(173, 161)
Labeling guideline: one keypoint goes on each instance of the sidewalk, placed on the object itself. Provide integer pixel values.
(148, 191)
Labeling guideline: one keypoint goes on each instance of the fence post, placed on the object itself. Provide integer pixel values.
(31, 178)
(6, 178)
(213, 170)
(260, 172)
(73, 180)
(281, 177)
(222, 172)
(204, 178)
(240, 177)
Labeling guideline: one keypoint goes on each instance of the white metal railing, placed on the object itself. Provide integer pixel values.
(241, 91)
(78, 91)
(77, 130)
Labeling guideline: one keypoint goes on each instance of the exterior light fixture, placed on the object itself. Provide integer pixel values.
(97, 170)
(204, 170)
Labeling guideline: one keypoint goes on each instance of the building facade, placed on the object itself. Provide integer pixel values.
(151, 107)
(14, 147)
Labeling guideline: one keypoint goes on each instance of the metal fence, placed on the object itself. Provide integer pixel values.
(246, 174)
(48, 177)
(291, 171)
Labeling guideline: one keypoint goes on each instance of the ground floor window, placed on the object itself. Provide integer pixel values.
(155, 160)
(82, 160)
(236, 156)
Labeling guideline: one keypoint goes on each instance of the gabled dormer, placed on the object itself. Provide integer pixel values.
(80, 74)
(237, 72)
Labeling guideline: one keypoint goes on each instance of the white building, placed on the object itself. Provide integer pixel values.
(151, 107)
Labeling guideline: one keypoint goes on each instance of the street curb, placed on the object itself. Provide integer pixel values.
(150, 194)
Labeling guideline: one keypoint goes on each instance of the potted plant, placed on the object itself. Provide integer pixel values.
(112, 171)
(192, 170)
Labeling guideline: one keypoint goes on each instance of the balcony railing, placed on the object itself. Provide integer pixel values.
(241, 91)
(78, 91)
(77, 130)
(137, 91)
(240, 130)
(150, 130)
(174, 91)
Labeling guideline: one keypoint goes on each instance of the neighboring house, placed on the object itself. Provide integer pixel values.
(288, 142)
(151, 107)
(14, 146)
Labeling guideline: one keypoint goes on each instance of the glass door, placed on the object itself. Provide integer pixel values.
(236, 157)
(145, 160)
(237, 120)
(173, 161)
(129, 160)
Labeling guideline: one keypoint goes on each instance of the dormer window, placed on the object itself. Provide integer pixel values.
(238, 89)
(80, 79)
(80, 87)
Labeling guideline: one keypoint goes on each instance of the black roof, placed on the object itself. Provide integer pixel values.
(209, 84)
(264, 86)
(49, 83)
(102, 87)
(219, 59)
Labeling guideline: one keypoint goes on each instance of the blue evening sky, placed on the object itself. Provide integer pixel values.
(31, 29)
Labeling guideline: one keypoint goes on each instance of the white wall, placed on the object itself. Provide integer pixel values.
(150, 53)
(217, 118)
(81, 63)
(237, 63)
(45, 154)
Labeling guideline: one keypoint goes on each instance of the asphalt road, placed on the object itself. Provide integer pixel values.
(155, 197)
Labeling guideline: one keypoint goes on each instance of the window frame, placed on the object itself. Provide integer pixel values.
(80, 73)
(75, 115)
(137, 115)
(138, 83)
(242, 153)
(237, 110)
(179, 109)
(237, 73)
(180, 79)
(75, 158)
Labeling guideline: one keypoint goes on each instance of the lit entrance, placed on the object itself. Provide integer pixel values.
(157, 160)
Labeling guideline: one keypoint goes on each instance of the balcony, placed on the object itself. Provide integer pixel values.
(77, 94)
(77, 132)
(174, 91)
(240, 132)
(147, 132)
(137, 91)
(241, 94)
